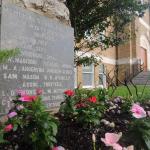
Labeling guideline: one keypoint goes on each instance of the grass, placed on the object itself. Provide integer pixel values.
(122, 91)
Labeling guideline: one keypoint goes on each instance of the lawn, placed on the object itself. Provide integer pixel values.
(122, 91)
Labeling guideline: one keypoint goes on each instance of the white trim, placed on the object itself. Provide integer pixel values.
(87, 87)
(87, 54)
(144, 24)
(126, 61)
(108, 60)
(103, 76)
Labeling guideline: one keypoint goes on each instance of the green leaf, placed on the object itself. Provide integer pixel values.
(15, 127)
(54, 128)
(147, 141)
(53, 139)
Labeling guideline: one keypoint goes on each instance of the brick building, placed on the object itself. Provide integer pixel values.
(127, 57)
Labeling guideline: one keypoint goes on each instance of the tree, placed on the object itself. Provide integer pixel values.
(92, 19)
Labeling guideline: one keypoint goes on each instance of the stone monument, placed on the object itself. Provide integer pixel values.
(41, 30)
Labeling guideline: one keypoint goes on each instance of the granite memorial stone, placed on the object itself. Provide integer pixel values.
(46, 59)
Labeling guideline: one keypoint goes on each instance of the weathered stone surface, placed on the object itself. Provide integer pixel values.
(45, 60)
(52, 8)
(55, 9)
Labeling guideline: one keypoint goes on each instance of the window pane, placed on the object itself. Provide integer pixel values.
(101, 68)
(101, 78)
(87, 68)
(87, 79)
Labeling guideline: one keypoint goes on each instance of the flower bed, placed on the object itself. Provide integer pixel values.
(87, 120)
(81, 115)
(28, 125)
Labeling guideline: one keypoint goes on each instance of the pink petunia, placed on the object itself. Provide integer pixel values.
(138, 111)
(12, 114)
(110, 139)
(116, 146)
(58, 148)
(28, 98)
(129, 148)
(8, 128)
(55, 148)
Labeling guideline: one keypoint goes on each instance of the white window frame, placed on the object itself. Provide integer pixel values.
(142, 1)
(103, 85)
(92, 72)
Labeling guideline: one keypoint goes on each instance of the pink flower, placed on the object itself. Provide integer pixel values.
(12, 114)
(21, 92)
(55, 148)
(138, 111)
(69, 92)
(39, 91)
(20, 107)
(92, 99)
(58, 148)
(129, 148)
(111, 139)
(116, 146)
(8, 128)
(28, 98)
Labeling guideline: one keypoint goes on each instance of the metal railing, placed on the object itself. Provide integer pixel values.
(136, 68)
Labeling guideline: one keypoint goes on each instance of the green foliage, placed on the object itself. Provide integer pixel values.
(101, 94)
(102, 23)
(93, 111)
(80, 109)
(92, 17)
(139, 133)
(33, 127)
(85, 60)
(67, 108)
(89, 116)
(5, 54)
